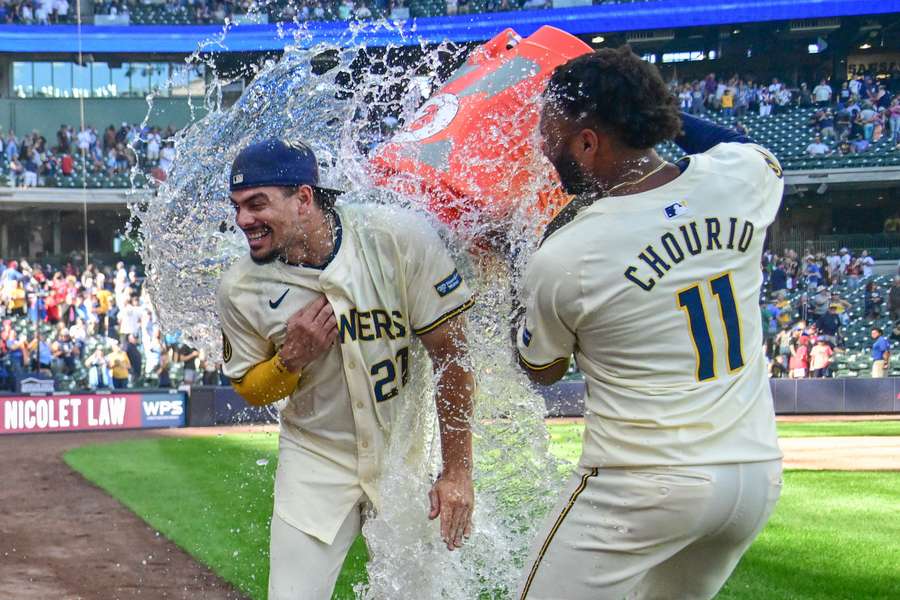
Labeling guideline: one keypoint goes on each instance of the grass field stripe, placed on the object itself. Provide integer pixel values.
(553, 530)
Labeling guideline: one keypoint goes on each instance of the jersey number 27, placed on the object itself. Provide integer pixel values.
(690, 300)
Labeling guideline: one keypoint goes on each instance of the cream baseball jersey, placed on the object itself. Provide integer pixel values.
(390, 277)
(657, 295)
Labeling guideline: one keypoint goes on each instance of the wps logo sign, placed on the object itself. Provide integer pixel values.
(167, 413)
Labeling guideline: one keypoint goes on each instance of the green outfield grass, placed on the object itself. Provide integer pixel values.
(831, 535)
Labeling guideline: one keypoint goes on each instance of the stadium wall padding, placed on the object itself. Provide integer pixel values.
(222, 406)
(215, 405)
(46, 114)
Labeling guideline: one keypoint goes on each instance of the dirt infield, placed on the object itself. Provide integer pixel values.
(62, 538)
(842, 453)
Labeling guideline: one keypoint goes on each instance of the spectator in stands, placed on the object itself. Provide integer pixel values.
(820, 358)
(822, 94)
(17, 302)
(867, 263)
(727, 102)
(817, 148)
(103, 299)
(741, 128)
(741, 100)
(782, 344)
(135, 358)
(841, 306)
(188, 356)
(799, 363)
(65, 353)
(98, 369)
(820, 302)
(881, 98)
(153, 145)
(120, 366)
(167, 156)
(41, 355)
(778, 367)
(894, 121)
(829, 325)
(881, 353)
(868, 116)
(698, 107)
(872, 301)
(812, 272)
(766, 101)
(833, 267)
(130, 318)
(894, 300)
(778, 279)
(804, 96)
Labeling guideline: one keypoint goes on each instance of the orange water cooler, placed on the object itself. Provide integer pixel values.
(470, 148)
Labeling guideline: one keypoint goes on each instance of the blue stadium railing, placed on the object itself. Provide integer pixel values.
(665, 14)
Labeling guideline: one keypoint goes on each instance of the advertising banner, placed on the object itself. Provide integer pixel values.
(84, 412)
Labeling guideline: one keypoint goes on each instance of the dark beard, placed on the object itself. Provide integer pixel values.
(264, 260)
(572, 177)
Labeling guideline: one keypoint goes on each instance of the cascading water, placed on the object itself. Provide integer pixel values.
(189, 239)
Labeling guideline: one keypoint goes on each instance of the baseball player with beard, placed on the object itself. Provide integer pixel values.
(322, 311)
(651, 277)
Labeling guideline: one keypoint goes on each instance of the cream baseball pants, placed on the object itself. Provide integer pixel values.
(302, 567)
(650, 533)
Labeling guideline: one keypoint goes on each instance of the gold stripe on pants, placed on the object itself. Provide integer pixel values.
(553, 530)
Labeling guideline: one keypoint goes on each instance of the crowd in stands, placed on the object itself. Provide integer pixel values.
(42, 12)
(828, 315)
(846, 119)
(860, 118)
(91, 329)
(215, 11)
(31, 160)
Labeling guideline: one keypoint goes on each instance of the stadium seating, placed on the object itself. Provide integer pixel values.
(79, 378)
(788, 134)
(854, 357)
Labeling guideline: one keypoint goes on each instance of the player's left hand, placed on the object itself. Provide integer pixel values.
(453, 498)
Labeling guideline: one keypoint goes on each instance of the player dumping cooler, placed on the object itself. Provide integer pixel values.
(470, 146)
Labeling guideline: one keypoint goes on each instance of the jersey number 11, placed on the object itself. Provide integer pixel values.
(690, 300)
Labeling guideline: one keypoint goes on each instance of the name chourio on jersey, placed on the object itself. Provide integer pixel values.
(684, 242)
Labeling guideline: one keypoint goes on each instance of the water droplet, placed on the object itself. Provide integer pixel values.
(664, 491)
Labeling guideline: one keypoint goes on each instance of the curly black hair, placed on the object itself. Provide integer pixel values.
(618, 92)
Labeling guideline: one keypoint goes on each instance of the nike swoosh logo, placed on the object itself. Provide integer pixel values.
(275, 304)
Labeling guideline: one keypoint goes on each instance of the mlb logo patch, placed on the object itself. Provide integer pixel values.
(450, 283)
(239, 178)
(676, 209)
(526, 336)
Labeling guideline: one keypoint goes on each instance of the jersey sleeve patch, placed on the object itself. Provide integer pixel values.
(448, 284)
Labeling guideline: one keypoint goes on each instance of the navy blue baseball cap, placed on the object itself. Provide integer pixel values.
(277, 163)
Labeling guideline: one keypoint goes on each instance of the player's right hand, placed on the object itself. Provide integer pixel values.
(310, 333)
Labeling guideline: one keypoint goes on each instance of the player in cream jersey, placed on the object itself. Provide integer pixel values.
(365, 279)
(651, 277)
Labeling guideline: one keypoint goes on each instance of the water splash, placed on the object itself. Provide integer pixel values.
(189, 240)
